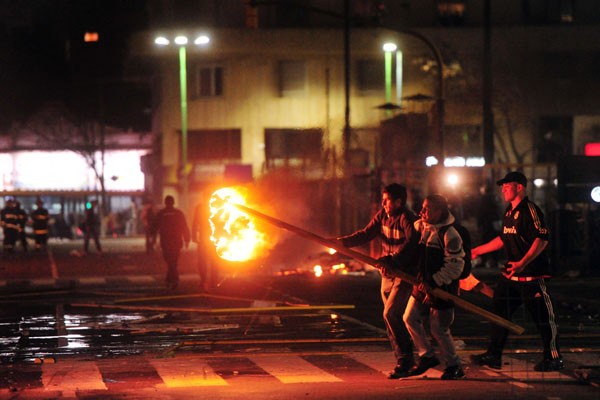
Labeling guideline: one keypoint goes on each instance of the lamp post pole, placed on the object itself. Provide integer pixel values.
(184, 168)
(389, 49)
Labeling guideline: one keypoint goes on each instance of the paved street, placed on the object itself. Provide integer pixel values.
(104, 326)
(356, 372)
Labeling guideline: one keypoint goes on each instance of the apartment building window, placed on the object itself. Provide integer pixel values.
(370, 76)
(207, 81)
(292, 78)
(214, 145)
(451, 13)
(292, 147)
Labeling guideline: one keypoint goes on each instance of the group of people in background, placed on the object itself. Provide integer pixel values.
(431, 249)
(168, 225)
(13, 219)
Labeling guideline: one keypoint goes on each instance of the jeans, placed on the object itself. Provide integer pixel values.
(395, 297)
(439, 322)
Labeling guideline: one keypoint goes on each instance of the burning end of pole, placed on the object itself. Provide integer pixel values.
(234, 234)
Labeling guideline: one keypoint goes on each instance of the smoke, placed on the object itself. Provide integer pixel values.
(285, 197)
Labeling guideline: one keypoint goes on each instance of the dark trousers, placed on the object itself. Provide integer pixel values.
(10, 239)
(508, 296)
(91, 233)
(171, 257)
(41, 240)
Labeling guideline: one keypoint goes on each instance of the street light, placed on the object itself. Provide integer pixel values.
(182, 41)
(389, 49)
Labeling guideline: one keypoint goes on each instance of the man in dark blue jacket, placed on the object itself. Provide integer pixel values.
(172, 228)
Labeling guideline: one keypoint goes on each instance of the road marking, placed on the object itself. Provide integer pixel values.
(521, 385)
(489, 372)
(141, 279)
(53, 265)
(43, 282)
(177, 373)
(95, 280)
(379, 361)
(293, 369)
(72, 376)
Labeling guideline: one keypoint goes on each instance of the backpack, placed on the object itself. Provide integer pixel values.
(466, 239)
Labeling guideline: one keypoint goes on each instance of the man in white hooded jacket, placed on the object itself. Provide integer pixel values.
(441, 261)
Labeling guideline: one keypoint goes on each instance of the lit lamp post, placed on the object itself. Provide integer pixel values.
(182, 42)
(389, 49)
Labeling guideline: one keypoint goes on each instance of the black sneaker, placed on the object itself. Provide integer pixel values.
(424, 364)
(547, 365)
(488, 359)
(401, 370)
(454, 372)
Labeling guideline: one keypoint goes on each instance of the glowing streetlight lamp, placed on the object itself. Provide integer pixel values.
(389, 49)
(182, 41)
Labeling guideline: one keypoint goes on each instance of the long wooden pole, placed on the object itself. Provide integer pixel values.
(458, 301)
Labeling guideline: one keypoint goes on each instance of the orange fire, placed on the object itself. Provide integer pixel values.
(233, 232)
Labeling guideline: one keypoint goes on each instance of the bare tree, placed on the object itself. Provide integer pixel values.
(54, 127)
(513, 131)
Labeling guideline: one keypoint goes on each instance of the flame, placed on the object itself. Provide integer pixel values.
(233, 232)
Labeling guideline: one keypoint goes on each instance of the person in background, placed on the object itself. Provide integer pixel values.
(91, 227)
(200, 236)
(524, 237)
(147, 215)
(441, 262)
(393, 224)
(40, 219)
(10, 225)
(172, 228)
(132, 218)
(22, 217)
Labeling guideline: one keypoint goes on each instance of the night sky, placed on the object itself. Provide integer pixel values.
(43, 58)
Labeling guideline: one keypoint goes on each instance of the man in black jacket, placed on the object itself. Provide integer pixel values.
(524, 238)
(172, 228)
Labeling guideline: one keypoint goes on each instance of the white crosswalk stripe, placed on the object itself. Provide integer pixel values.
(68, 376)
(384, 362)
(293, 369)
(177, 373)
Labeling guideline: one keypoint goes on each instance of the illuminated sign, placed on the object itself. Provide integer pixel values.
(66, 170)
(592, 149)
